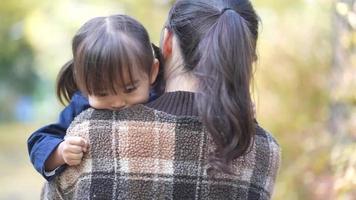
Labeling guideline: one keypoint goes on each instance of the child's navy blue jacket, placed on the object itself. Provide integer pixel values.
(44, 141)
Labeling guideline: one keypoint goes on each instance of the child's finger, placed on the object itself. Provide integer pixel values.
(86, 146)
(85, 149)
(74, 149)
(74, 156)
(73, 162)
(75, 140)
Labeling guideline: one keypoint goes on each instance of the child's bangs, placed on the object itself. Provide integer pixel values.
(106, 65)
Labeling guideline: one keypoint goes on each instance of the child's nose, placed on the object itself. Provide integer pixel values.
(118, 104)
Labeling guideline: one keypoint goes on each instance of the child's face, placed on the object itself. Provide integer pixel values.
(127, 95)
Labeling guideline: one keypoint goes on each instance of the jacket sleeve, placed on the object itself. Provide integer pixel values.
(45, 140)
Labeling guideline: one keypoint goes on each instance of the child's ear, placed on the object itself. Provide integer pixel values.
(167, 43)
(154, 71)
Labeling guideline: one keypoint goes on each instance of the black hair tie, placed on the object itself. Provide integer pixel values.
(225, 9)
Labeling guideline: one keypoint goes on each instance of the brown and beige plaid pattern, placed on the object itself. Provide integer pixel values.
(142, 153)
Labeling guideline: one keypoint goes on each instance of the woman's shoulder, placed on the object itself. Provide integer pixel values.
(266, 137)
(266, 158)
(258, 168)
(92, 114)
(267, 149)
(138, 112)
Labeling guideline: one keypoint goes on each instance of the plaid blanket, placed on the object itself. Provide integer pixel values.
(142, 153)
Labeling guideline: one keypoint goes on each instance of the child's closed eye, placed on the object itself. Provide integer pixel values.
(103, 94)
(130, 88)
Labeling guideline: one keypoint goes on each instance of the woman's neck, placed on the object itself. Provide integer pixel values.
(177, 78)
(183, 81)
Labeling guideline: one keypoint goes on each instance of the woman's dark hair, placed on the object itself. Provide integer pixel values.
(159, 85)
(104, 49)
(217, 40)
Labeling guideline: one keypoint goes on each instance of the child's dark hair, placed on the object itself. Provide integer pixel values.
(217, 39)
(104, 49)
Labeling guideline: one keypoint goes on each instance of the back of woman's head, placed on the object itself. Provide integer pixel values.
(104, 49)
(217, 40)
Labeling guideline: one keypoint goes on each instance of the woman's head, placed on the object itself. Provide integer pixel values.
(113, 63)
(191, 20)
(217, 42)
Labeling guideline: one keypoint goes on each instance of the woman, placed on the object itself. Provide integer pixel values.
(199, 140)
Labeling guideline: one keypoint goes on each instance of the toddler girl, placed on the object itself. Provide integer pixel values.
(114, 66)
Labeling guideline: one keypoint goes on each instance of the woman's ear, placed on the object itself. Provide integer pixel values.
(154, 71)
(167, 43)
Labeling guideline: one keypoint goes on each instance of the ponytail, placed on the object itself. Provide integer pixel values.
(159, 85)
(224, 103)
(66, 85)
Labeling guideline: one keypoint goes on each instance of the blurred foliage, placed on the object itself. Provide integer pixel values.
(292, 94)
(342, 122)
(16, 56)
(304, 83)
(344, 165)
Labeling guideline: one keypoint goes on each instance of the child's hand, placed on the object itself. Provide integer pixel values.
(72, 149)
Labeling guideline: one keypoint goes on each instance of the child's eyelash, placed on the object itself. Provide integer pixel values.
(102, 94)
(126, 89)
(130, 88)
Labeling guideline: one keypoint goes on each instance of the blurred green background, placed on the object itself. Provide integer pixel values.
(304, 88)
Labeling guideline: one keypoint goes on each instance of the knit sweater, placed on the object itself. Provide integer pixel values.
(160, 151)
